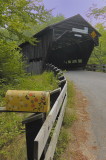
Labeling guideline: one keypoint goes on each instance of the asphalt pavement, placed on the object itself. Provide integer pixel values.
(93, 86)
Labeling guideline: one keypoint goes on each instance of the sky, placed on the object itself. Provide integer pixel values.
(72, 7)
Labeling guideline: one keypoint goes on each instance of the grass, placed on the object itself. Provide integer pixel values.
(43, 82)
(64, 137)
(15, 150)
(69, 118)
(10, 123)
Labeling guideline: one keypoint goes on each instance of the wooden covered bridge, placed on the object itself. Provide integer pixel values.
(67, 44)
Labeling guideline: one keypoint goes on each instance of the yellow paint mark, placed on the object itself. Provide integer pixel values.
(93, 34)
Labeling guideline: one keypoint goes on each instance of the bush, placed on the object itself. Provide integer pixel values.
(11, 64)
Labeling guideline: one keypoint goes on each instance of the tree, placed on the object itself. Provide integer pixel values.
(50, 20)
(15, 17)
(99, 53)
(97, 13)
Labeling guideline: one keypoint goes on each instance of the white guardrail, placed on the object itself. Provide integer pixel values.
(55, 115)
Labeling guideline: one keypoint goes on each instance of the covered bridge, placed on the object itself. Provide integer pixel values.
(67, 44)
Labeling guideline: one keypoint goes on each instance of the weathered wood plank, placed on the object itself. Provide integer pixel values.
(50, 152)
(42, 137)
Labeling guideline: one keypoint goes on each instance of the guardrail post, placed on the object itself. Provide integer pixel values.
(62, 83)
(32, 125)
(98, 67)
(104, 69)
(54, 95)
(61, 78)
(94, 67)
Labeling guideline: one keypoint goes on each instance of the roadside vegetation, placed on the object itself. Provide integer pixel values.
(11, 129)
(69, 118)
(99, 53)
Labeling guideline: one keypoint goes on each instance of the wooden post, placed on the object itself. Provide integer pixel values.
(62, 83)
(54, 95)
(56, 71)
(32, 125)
(61, 78)
(104, 69)
(94, 67)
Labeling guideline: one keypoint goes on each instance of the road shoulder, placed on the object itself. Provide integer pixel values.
(82, 144)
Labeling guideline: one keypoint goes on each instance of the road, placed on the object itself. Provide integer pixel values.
(93, 86)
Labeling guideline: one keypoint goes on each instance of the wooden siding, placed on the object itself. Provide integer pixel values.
(36, 54)
(35, 67)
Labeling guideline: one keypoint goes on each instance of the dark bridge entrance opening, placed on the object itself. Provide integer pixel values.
(71, 55)
(72, 48)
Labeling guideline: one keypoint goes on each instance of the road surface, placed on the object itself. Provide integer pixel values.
(93, 85)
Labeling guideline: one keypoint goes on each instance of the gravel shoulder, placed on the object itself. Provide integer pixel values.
(80, 146)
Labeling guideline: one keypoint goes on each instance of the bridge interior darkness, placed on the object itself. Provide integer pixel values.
(71, 50)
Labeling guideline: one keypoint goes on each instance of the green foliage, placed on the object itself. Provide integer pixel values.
(45, 82)
(69, 118)
(10, 127)
(11, 65)
(51, 20)
(15, 16)
(16, 150)
(98, 13)
(71, 95)
(70, 114)
(99, 53)
(63, 140)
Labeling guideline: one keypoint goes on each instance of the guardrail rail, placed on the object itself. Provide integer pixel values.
(96, 67)
(42, 130)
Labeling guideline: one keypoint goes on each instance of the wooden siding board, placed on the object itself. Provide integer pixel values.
(35, 67)
(37, 52)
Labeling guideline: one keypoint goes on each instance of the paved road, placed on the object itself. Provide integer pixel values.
(93, 85)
